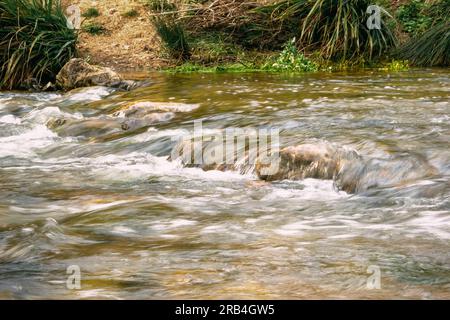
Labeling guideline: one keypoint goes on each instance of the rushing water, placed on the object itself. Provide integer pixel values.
(91, 194)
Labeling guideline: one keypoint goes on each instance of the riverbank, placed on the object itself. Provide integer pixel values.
(124, 43)
(220, 35)
(119, 34)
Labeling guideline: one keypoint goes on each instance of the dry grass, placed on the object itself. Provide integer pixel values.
(222, 13)
(131, 43)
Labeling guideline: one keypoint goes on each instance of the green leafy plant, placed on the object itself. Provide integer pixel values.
(173, 36)
(91, 13)
(412, 18)
(396, 65)
(291, 60)
(35, 41)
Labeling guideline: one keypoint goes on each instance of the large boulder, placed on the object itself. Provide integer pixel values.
(78, 73)
(350, 171)
(369, 173)
(320, 160)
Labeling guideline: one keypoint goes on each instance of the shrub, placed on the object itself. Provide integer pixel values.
(412, 18)
(35, 41)
(290, 59)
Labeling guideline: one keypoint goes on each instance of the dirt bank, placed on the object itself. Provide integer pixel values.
(128, 43)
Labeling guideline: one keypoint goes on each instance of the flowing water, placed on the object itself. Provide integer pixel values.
(91, 194)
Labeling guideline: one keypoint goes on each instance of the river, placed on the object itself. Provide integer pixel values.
(88, 193)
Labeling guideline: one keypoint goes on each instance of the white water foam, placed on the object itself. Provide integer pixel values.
(10, 119)
(308, 189)
(41, 116)
(436, 223)
(153, 134)
(23, 145)
(141, 166)
(87, 94)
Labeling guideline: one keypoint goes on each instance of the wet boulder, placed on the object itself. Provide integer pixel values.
(148, 120)
(146, 113)
(350, 171)
(313, 160)
(370, 173)
(145, 108)
(78, 73)
(84, 127)
(208, 152)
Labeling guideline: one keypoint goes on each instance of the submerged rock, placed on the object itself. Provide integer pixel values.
(78, 73)
(146, 113)
(321, 161)
(85, 127)
(104, 125)
(143, 108)
(365, 174)
(209, 152)
(150, 119)
(350, 171)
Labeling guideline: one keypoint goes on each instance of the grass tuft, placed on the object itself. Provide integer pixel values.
(35, 41)
(336, 28)
(174, 38)
(161, 5)
(91, 13)
(130, 13)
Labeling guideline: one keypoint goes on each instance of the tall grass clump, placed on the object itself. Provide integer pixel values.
(35, 41)
(337, 28)
(430, 49)
(173, 36)
(161, 5)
